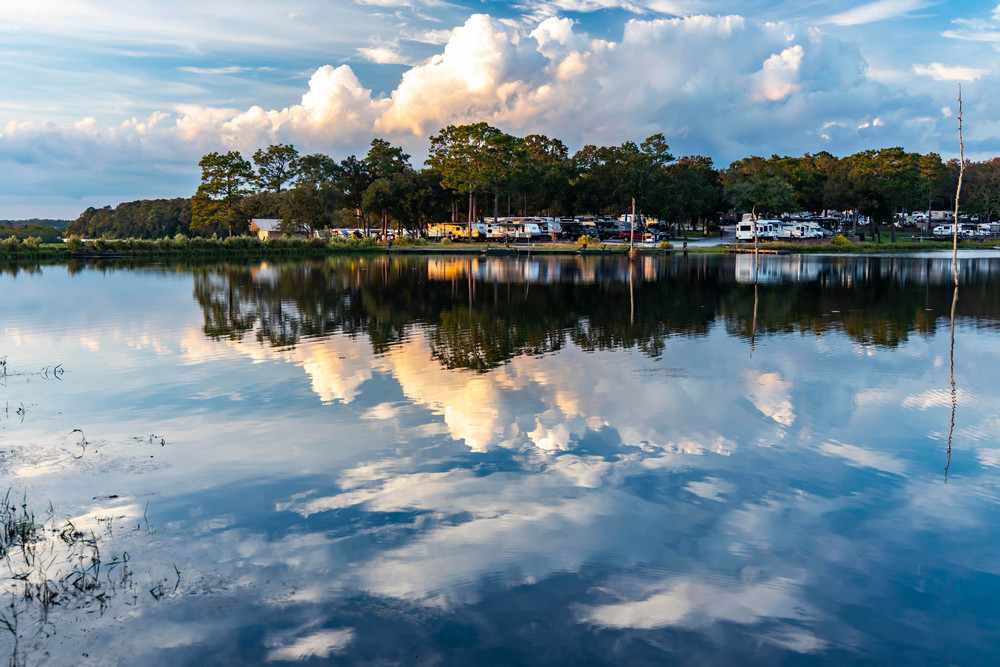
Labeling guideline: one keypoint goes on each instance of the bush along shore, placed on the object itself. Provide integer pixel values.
(181, 246)
(841, 244)
(251, 246)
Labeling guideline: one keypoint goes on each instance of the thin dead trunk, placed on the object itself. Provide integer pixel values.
(958, 190)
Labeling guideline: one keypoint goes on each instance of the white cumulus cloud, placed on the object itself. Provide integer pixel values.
(942, 72)
(722, 85)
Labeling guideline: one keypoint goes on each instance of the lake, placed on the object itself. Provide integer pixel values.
(504, 461)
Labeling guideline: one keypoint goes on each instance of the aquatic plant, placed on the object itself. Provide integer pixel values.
(18, 529)
(52, 564)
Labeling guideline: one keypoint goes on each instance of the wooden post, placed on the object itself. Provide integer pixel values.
(631, 235)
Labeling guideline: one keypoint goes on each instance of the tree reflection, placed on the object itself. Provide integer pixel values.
(480, 313)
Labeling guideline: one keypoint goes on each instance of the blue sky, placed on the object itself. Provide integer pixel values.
(105, 100)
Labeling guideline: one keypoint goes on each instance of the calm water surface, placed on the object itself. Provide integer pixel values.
(461, 461)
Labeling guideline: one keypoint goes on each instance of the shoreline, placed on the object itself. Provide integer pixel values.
(248, 247)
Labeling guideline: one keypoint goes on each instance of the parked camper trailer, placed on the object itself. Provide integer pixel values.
(456, 231)
(764, 230)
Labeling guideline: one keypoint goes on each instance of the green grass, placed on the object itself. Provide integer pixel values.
(249, 246)
(870, 246)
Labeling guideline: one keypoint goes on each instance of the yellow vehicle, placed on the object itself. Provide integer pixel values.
(456, 231)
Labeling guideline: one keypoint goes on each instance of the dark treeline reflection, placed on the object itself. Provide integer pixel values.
(481, 312)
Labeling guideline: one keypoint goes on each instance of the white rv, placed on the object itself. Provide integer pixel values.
(800, 230)
(763, 229)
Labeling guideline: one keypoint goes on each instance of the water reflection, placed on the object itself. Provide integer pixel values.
(489, 461)
(382, 297)
(951, 377)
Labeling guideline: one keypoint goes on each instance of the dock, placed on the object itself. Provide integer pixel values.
(739, 250)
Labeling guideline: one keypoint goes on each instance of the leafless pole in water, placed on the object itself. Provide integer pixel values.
(958, 189)
(954, 277)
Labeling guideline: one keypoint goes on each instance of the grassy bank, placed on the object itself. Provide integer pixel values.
(251, 247)
(834, 246)
(236, 246)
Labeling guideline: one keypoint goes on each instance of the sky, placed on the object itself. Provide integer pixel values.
(104, 101)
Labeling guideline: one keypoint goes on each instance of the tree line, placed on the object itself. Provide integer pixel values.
(477, 172)
(143, 219)
(25, 229)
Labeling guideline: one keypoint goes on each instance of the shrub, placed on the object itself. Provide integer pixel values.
(841, 241)
(405, 241)
(32, 243)
(446, 240)
(74, 243)
(665, 245)
(584, 241)
(9, 244)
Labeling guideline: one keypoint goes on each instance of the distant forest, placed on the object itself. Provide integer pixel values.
(476, 171)
(49, 231)
(146, 219)
(36, 222)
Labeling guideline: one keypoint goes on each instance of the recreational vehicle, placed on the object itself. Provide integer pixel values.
(456, 231)
(764, 230)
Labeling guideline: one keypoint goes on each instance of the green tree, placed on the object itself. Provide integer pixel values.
(385, 160)
(760, 193)
(594, 183)
(540, 174)
(390, 170)
(933, 174)
(983, 188)
(317, 169)
(643, 168)
(883, 181)
(225, 179)
(352, 181)
(611, 177)
(276, 166)
(312, 202)
(689, 190)
(473, 158)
